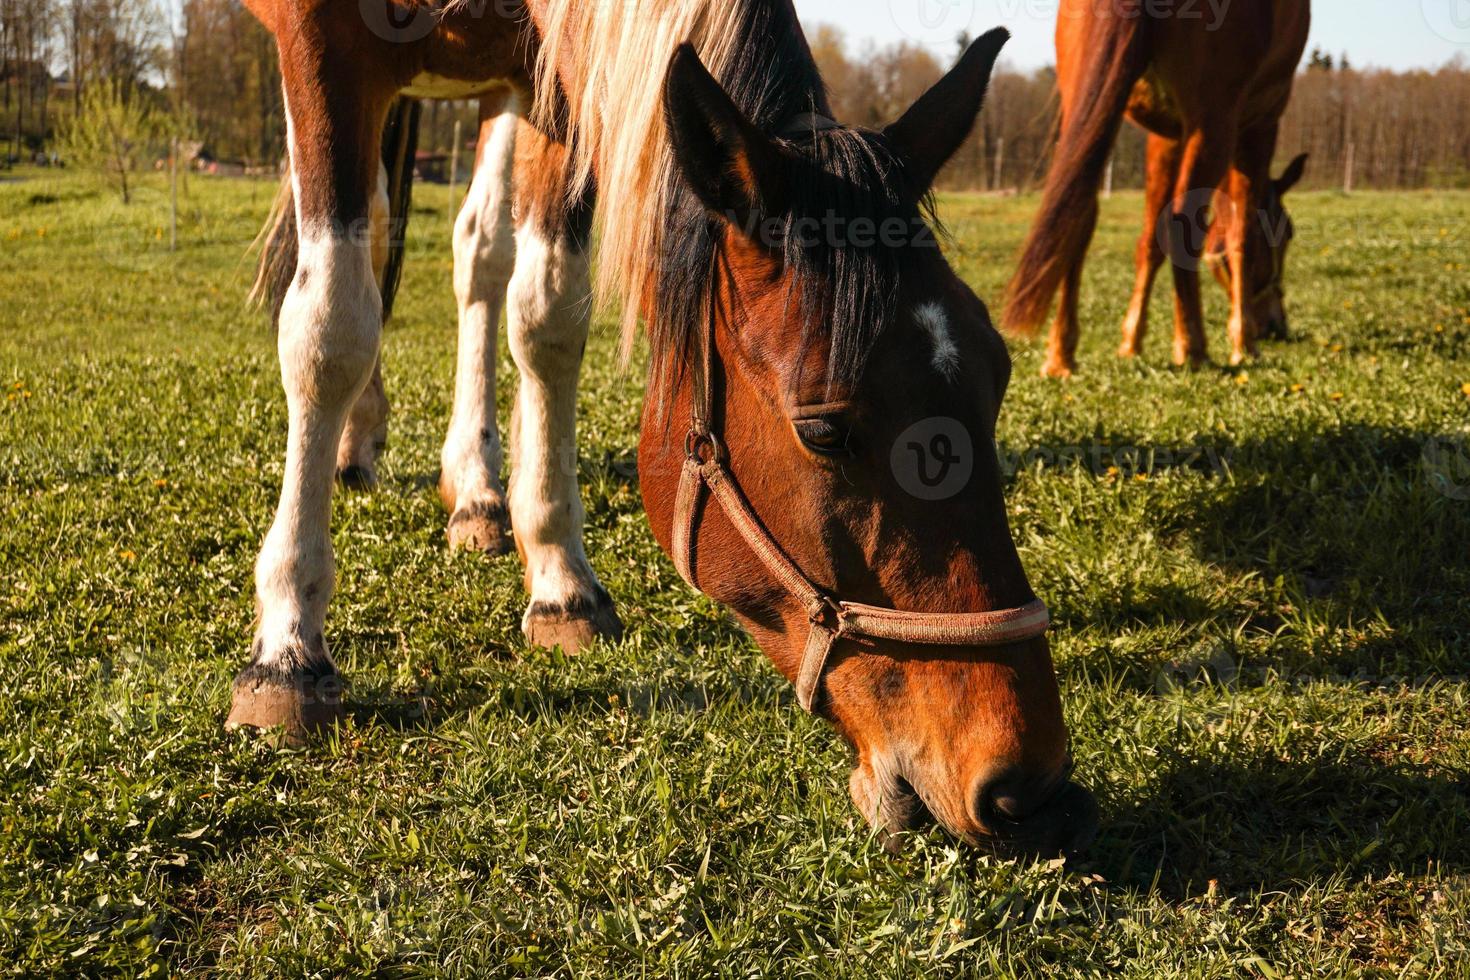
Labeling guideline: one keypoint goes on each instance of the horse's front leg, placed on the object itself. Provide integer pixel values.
(484, 258)
(330, 327)
(550, 313)
(1250, 176)
(1204, 162)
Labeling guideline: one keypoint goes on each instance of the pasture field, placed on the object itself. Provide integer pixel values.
(1260, 578)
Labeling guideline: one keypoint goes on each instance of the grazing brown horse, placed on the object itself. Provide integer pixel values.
(816, 445)
(1210, 89)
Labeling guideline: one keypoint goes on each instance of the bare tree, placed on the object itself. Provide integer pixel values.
(226, 80)
(26, 31)
(1393, 129)
(118, 40)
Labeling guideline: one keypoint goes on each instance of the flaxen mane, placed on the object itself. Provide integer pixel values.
(656, 240)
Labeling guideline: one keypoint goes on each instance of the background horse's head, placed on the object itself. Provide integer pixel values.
(1271, 236)
(856, 385)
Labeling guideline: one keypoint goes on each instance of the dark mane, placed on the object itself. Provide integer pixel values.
(846, 293)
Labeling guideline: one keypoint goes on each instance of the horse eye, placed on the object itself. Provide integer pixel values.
(828, 435)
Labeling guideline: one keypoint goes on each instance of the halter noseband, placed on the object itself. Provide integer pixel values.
(831, 619)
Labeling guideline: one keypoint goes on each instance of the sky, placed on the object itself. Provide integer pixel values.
(1395, 34)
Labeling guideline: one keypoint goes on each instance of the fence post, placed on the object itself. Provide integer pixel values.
(1108, 180)
(454, 168)
(1349, 164)
(173, 194)
(1000, 161)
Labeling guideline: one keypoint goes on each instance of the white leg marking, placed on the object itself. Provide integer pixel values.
(484, 260)
(935, 322)
(550, 311)
(328, 345)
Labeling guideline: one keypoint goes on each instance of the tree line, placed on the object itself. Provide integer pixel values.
(209, 69)
(1363, 128)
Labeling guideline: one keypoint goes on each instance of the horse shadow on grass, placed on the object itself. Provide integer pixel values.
(1262, 824)
(1359, 539)
(1362, 528)
(539, 685)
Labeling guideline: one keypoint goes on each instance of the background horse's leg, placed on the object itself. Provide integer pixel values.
(1206, 158)
(1163, 172)
(484, 258)
(1249, 178)
(550, 313)
(1061, 346)
(330, 325)
(366, 432)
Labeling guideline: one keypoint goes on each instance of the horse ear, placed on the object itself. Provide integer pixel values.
(730, 164)
(939, 123)
(1292, 175)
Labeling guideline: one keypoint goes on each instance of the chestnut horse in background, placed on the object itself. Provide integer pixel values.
(808, 346)
(1210, 90)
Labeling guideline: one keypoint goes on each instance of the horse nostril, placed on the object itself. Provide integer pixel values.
(1008, 799)
(1038, 818)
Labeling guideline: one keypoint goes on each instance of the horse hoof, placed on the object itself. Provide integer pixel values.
(573, 627)
(1058, 370)
(357, 477)
(296, 703)
(481, 527)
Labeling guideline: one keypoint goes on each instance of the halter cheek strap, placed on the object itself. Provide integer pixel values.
(832, 620)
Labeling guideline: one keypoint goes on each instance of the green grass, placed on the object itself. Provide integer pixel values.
(1264, 661)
